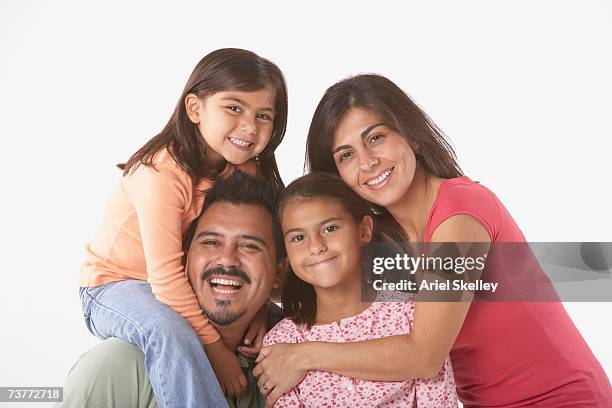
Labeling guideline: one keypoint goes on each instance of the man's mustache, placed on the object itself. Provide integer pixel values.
(222, 271)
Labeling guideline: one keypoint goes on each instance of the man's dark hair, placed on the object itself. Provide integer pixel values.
(240, 188)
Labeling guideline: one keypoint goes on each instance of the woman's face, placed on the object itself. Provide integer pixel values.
(323, 241)
(372, 158)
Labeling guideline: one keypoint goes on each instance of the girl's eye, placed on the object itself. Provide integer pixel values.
(234, 108)
(264, 116)
(330, 228)
(375, 138)
(297, 238)
(345, 156)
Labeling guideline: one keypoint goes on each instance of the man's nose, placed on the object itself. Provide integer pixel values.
(316, 246)
(228, 257)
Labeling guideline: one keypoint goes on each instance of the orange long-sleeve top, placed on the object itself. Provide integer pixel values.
(148, 213)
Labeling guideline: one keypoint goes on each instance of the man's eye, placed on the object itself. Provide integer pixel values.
(264, 116)
(234, 108)
(297, 238)
(249, 245)
(210, 242)
(330, 228)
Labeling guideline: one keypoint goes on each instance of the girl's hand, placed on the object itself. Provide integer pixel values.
(280, 367)
(253, 340)
(226, 368)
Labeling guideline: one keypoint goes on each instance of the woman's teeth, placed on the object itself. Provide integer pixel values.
(240, 142)
(379, 179)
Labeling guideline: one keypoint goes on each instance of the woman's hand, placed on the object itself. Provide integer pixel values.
(226, 368)
(280, 367)
(253, 340)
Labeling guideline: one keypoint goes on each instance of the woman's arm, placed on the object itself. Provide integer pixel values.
(417, 355)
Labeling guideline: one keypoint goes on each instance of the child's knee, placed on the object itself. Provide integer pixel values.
(174, 328)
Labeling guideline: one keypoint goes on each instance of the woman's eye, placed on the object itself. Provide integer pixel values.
(330, 228)
(264, 116)
(297, 238)
(234, 108)
(376, 138)
(345, 156)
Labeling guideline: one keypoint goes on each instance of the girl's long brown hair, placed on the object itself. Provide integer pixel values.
(221, 70)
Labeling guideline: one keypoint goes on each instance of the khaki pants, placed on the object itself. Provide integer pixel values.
(112, 375)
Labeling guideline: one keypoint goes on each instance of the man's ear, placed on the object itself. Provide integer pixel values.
(193, 104)
(365, 229)
(279, 279)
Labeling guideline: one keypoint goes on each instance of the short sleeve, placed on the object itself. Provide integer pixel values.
(467, 198)
(285, 331)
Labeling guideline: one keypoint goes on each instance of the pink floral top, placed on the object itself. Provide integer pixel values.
(324, 389)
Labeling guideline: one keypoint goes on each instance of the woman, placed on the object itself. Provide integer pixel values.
(504, 354)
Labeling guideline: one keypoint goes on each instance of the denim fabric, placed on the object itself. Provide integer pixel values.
(180, 373)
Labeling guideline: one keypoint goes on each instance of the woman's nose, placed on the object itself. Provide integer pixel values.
(368, 162)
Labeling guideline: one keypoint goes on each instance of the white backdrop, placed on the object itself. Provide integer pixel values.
(522, 88)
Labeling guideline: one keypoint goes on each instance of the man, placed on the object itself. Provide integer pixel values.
(233, 264)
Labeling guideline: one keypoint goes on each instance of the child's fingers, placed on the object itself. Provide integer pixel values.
(250, 352)
(251, 334)
(238, 387)
(234, 388)
(243, 382)
(258, 341)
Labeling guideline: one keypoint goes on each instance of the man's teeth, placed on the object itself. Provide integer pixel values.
(225, 286)
(379, 179)
(226, 282)
(240, 142)
(224, 291)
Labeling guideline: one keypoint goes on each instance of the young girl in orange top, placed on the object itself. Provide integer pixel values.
(232, 112)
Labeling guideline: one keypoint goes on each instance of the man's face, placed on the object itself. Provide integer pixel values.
(231, 263)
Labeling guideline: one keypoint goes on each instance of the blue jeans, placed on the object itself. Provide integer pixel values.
(181, 375)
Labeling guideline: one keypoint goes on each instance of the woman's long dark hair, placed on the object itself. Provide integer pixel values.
(396, 109)
(221, 70)
(298, 298)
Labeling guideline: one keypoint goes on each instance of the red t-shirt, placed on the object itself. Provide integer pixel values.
(515, 354)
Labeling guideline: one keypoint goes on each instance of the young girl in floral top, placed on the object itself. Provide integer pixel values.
(325, 224)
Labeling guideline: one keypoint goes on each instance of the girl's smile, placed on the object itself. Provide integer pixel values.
(236, 125)
(323, 241)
